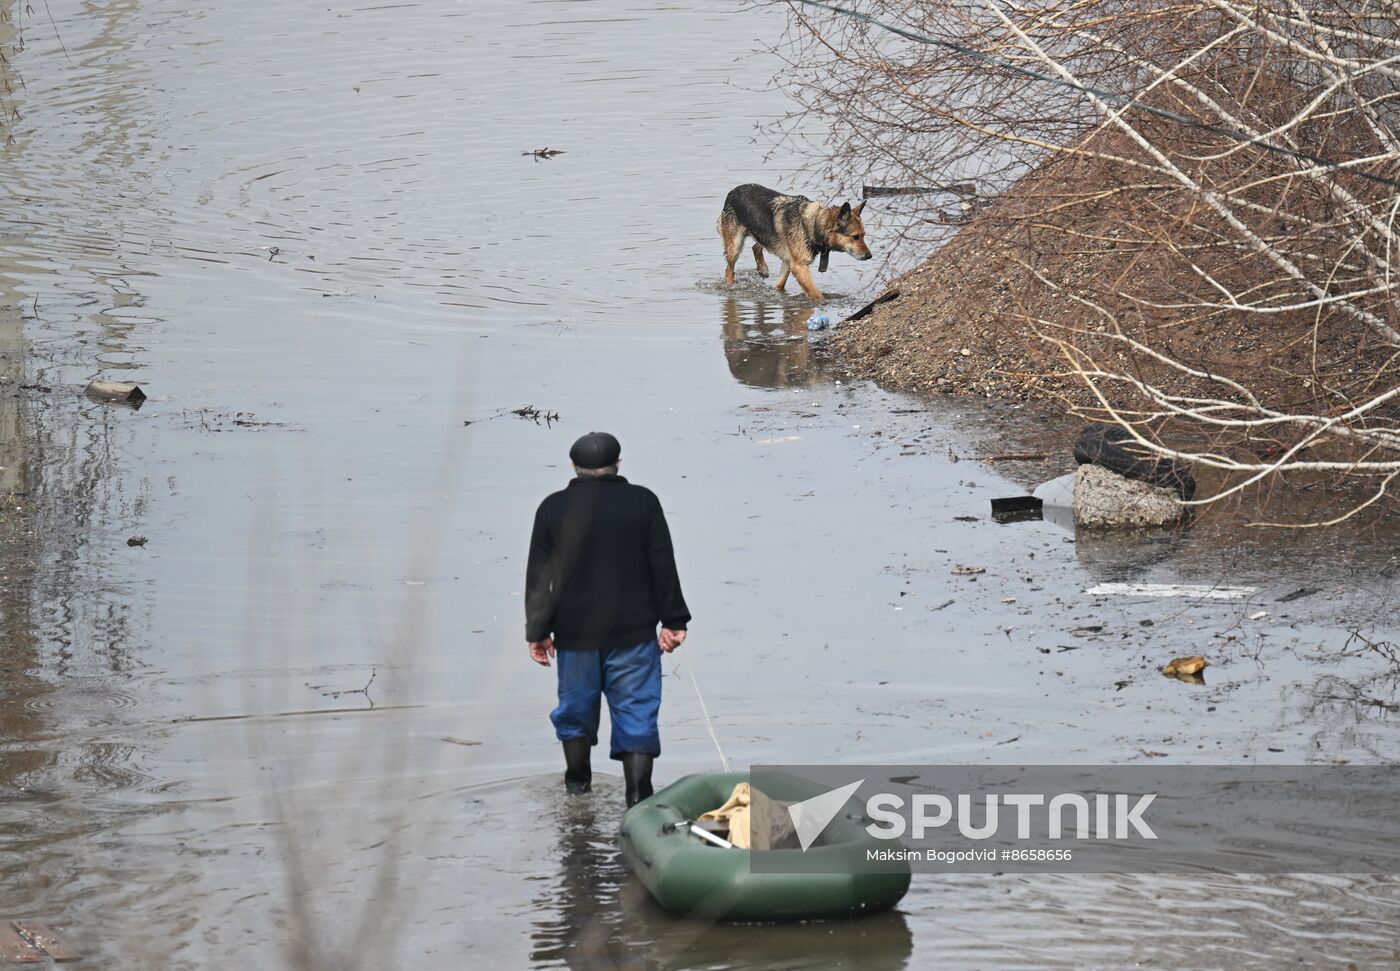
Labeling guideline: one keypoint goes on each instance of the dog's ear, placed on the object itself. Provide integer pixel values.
(845, 211)
(857, 209)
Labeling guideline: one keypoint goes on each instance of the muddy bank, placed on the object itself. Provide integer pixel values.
(951, 330)
(1073, 252)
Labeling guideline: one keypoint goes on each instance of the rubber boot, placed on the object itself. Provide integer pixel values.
(578, 773)
(636, 770)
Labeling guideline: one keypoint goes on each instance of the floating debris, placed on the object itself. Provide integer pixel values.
(529, 412)
(15, 949)
(1017, 509)
(25, 942)
(536, 415)
(245, 419)
(544, 153)
(115, 391)
(1187, 666)
(1196, 591)
(327, 693)
(214, 420)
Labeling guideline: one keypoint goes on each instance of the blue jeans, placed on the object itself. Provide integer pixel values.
(630, 677)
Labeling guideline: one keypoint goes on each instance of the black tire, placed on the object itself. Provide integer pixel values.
(1114, 448)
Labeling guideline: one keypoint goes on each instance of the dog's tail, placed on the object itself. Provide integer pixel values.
(726, 215)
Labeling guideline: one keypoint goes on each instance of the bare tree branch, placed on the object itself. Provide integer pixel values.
(1198, 201)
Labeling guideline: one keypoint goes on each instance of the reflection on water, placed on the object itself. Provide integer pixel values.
(580, 926)
(766, 342)
(70, 622)
(594, 915)
(21, 757)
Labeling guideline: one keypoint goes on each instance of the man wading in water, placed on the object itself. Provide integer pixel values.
(601, 576)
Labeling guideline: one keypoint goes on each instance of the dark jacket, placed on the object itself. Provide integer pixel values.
(601, 572)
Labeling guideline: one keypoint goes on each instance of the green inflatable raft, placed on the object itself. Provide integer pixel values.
(692, 878)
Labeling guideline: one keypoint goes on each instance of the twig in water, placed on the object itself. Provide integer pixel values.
(528, 411)
(1386, 649)
(294, 714)
(374, 672)
(535, 415)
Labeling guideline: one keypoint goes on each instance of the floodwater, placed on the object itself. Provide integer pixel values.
(297, 727)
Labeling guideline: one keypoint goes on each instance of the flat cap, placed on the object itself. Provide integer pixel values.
(596, 450)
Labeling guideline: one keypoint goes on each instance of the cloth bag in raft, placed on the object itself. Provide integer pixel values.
(755, 821)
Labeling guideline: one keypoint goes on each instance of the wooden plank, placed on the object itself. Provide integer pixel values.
(863, 312)
(46, 940)
(964, 189)
(1013, 457)
(15, 949)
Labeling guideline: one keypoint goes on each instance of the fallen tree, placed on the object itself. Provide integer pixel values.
(1192, 211)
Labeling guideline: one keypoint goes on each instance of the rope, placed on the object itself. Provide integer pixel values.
(705, 712)
(1109, 96)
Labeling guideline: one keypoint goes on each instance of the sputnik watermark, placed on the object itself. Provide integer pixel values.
(1096, 816)
(1108, 815)
(1080, 819)
(903, 854)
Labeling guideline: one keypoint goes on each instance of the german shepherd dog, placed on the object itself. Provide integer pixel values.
(793, 228)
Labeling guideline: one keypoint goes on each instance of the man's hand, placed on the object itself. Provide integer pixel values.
(542, 651)
(670, 639)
